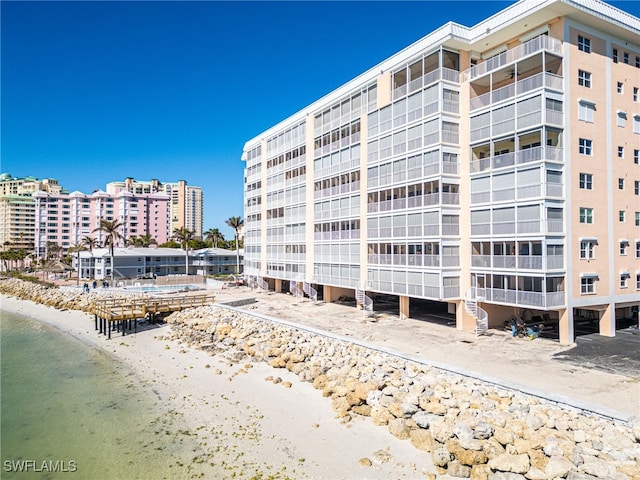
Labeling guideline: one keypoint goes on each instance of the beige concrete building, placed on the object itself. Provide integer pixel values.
(17, 209)
(186, 205)
(492, 168)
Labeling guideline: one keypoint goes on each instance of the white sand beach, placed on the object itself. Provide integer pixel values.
(249, 421)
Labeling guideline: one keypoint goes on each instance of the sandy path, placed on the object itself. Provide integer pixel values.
(246, 425)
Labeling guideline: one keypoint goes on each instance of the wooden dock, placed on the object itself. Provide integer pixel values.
(122, 314)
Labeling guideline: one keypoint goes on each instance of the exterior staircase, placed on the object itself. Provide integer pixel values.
(366, 302)
(295, 291)
(472, 308)
(311, 292)
(262, 283)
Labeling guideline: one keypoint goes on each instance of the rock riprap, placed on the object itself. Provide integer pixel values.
(471, 429)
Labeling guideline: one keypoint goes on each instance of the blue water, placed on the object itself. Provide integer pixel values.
(67, 406)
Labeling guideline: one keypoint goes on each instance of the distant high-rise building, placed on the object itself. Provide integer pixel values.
(490, 169)
(17, 209)
(65, 219)
(186, 206)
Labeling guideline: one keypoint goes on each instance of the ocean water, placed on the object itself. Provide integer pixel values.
(67, 407)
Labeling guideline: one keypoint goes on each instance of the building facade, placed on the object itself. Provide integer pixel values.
(494, 168)
(186, 200)
(65, 219)
(154, 262)
(17, 209)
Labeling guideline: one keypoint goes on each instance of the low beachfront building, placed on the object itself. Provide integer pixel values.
(490, 169)
(150, 262)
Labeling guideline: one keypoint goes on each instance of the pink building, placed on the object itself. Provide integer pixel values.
(65, 219)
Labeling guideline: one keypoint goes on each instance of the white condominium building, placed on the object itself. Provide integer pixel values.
(493, 168)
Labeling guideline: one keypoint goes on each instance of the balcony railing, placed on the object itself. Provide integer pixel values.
(519, 157)
(433, 76)
(526, 262)
(522, 297)
(539, 80)
(543, 42)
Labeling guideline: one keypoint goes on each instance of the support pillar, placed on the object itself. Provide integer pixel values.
(565, 326)
(404, 307)
(608, 321)
(278, 285)
(464, 320)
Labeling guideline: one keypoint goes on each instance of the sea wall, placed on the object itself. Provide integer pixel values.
(61, 298)
(471, 429)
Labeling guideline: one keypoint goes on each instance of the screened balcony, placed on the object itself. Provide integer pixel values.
(521, 290)
(542, 43)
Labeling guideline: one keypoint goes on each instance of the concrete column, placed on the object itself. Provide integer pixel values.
(327, 293)
(404, 307)
(608, 321)
(565, 326)
(278, 285)
(464, 320)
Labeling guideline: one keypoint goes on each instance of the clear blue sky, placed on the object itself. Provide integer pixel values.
(93, 92)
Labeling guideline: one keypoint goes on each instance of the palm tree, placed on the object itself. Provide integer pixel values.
(146, 240)
(111, 230)
(213, 236)
(53, 250)
(78, 248)
(89, 242)
(133, 241)
(236, 223)
(183, 236)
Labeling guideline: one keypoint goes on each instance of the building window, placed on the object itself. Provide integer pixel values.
(636, 187)
(625, 57)
(614, 55)
(585, 111)
(584, 44)
(587, 250)
(637, 219)
(637, 281)
(584, 78)
(588, 285)
(637, 61)
(635, 94)
(586, 215)
(584, 146)
(586, 181)
(638, 249)
(636, 156)
(623, 248)
(622, 119)
(623, 280)
(621, 184)
(621, 215)
(620, 88)
(620, 152)
(636, 124)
